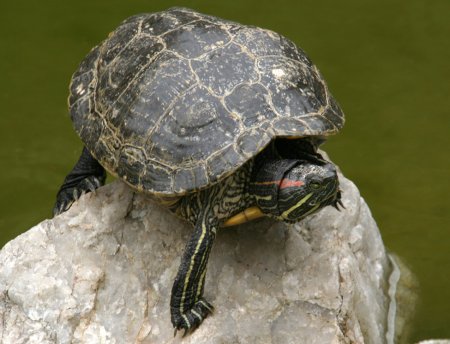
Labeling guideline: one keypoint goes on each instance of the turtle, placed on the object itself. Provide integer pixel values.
(218, 121)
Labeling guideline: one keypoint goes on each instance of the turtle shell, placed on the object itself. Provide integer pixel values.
(177, 100)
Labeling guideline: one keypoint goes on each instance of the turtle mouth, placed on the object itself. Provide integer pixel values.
(334, 198)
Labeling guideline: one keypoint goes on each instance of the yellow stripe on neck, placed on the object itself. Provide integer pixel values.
(299, 204)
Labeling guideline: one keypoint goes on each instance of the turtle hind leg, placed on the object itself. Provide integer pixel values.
(86, 176)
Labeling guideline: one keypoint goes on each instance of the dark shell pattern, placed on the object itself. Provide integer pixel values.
(177, 100)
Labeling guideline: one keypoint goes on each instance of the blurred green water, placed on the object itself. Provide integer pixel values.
(386, 61)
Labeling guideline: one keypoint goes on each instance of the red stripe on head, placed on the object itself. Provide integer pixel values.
(288, 183)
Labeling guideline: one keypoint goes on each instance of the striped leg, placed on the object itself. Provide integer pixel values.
(187, 305)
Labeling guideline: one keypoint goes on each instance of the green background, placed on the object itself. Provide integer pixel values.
(386, 62)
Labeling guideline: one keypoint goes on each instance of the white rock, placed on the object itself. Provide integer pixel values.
(102, 273)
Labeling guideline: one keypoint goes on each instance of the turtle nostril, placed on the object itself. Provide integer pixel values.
(331, 168)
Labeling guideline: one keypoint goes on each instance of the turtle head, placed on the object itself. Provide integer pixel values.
(289, 190)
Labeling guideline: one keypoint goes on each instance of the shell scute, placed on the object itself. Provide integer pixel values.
(290, 50)
(196, 126)
(222, 163)
(125, 70)
(295, 91)
(83, 82)
(157, 24)
(158, 88)
(161, 178)
(251, 102)
(259, 42)
(117, 41)
(332, 114)
(88, 63)
(318, 123)
(221, 70)
(131, 164)
(196, 38)
(251, 141)
(91, 132)
(185, 178)
(105, 153)
(292, 127)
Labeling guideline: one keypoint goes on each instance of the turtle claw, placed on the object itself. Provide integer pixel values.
(183, 335)
(190, 320)
(92, 185)
(341, 204)
(67, 206)
(75, 194)
(61, 208)
(67, 196)
(338, 202)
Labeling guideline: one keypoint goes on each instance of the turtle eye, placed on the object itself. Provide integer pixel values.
(314, 185)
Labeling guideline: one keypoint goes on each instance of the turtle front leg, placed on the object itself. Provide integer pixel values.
(187, 305)
(87, 175)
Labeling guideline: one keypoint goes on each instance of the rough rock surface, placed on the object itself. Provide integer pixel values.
(102, 273)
